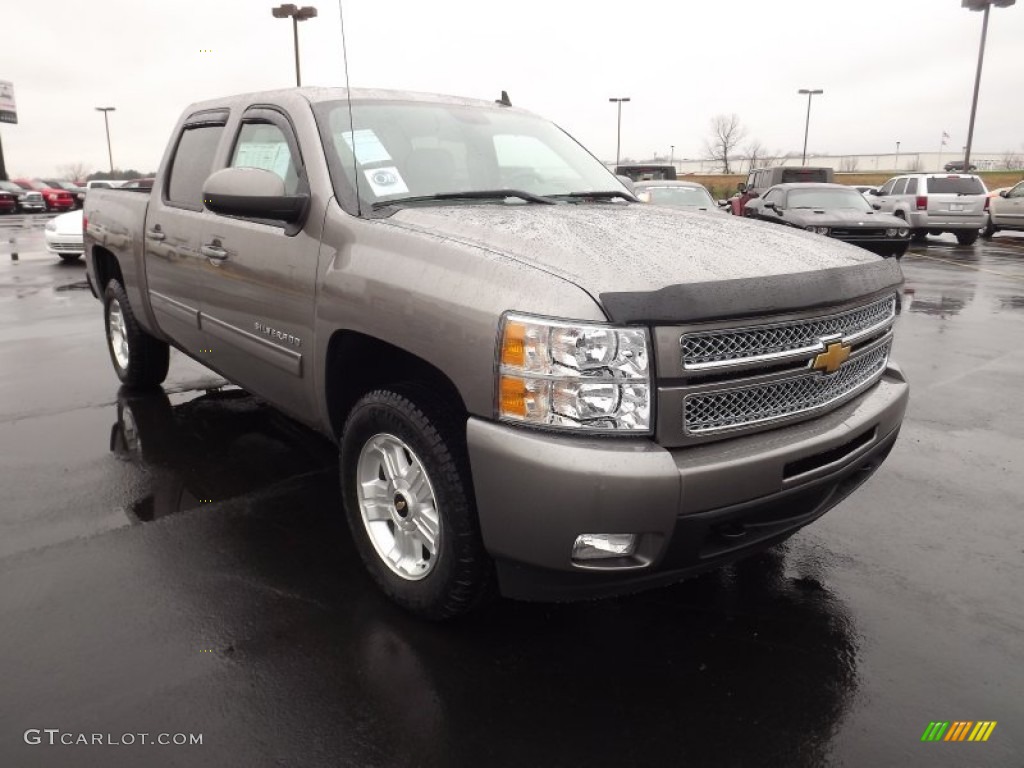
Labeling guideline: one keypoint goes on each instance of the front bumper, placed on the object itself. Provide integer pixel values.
(63, 244)
(693, 508)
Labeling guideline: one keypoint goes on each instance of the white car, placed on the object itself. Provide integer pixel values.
(64, 235)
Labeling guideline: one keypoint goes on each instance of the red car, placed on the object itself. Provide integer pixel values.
(56, 199)
(8, 202)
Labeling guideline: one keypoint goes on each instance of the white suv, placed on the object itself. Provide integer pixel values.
(933, 203)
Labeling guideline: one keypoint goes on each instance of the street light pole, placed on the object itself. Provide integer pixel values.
(618, 134)
(289, 10)
(672, 154)
(807, 125)
(106, 123)
(978, 5)
(897, 155)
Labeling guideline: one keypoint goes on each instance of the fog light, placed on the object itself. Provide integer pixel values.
(595, 546)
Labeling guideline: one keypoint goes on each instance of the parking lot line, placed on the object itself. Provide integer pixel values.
(966, 266)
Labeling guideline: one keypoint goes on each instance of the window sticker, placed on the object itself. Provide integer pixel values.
(385, 181)
(268, 155)
(366, 147)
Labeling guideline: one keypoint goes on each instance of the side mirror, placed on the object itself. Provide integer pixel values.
(723, 203)
(876, 192)
(253, 193)
(771, 206)
(877, 206)
(1005, 193)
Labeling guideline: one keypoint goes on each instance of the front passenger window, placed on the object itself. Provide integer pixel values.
(900, 187)
(264, 145)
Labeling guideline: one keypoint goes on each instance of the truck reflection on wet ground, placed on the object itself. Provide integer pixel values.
(220, 445)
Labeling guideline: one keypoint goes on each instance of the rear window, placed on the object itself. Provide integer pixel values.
(955, 185)
(193, 162)
(804, 175)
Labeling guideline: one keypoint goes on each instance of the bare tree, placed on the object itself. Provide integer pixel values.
(74, 171)
(726, 134)
(849, 164)
(1012, 161)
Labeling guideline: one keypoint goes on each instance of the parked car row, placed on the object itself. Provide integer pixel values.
(35, 195)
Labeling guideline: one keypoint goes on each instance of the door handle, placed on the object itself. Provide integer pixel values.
(214, 252)
(155, 234)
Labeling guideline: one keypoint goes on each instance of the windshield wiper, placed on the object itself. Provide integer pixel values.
(598, 195)
(476, 194)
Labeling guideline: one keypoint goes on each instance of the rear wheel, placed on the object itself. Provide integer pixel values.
(967, 238)
(919, 235)
(409, 502)
(139, 359)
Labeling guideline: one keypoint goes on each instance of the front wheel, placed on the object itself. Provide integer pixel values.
(988, 231)
(139, 359)
(967, 238)
(409, 502)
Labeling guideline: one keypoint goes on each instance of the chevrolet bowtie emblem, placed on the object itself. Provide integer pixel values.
(835, 355)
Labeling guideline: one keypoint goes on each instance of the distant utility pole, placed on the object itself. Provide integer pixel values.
(618, 134)
(897, 155)
(807, 125)
(672, 154)
(979, 5)
(106, 122)
(289, 10)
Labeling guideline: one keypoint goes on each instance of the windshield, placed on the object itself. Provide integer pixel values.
(827, 199)
(679, 197)
(955, 185)
(419, 149)
(9, 186)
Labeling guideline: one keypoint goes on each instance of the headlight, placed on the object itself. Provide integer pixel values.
(818, 230)
(891, 232)
(579, 376)
(51, 226)
(903, 231)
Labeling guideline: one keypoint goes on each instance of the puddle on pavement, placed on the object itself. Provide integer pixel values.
(221, 445)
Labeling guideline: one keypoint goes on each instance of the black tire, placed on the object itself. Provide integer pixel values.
(967, 238)
(919, 235)
(147, 358)
(460, 575)
(988, 231)
(69, 258)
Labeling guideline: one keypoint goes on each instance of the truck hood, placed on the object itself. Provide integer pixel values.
(647, 263)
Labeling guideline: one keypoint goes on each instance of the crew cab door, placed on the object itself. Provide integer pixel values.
(175, 269)
(259, 295)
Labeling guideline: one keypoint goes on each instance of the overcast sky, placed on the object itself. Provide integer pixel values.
(891, 70)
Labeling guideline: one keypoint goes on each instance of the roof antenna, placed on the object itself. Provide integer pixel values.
(504, 97)
(351, 121)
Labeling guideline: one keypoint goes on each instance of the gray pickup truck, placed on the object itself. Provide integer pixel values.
(537, 384)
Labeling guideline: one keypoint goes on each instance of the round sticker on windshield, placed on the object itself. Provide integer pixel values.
(385, 181)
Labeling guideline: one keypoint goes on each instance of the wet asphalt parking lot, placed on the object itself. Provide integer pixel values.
(177, 563)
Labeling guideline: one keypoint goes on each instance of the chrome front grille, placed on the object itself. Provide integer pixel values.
(860, 233)
(709, 412)
(721, 349)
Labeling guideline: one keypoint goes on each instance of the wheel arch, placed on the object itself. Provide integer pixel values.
(357, 363)
(106, 267)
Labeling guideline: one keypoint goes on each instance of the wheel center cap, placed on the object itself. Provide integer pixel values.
(401, 506)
